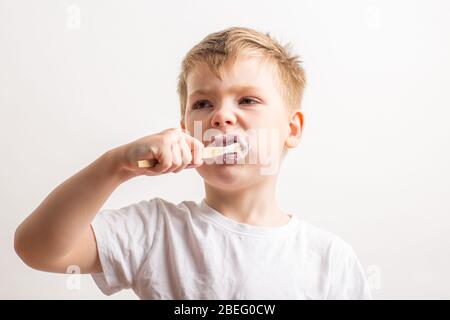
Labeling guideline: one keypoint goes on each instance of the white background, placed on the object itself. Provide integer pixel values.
(373, 165)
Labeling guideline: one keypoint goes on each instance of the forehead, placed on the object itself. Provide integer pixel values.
(246, 72)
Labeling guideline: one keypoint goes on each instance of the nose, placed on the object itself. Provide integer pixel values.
(223, 117)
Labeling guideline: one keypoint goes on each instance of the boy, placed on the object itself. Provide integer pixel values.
(235, 86)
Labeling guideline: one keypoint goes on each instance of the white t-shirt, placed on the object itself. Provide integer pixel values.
(191, 251)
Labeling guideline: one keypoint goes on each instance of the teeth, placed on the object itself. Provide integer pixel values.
(230, 157)
(225, 140)
(229, 139)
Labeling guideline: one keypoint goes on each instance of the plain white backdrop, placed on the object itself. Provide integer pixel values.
(78, 78)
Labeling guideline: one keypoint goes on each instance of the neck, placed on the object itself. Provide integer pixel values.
(254, 204)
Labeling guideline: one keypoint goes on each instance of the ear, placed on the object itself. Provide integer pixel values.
(182, 124)
(295, 129)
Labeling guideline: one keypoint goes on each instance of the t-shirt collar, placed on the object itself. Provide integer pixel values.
(243, 228)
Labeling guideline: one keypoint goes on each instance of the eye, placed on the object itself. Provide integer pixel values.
(201, 104)
(248, 100)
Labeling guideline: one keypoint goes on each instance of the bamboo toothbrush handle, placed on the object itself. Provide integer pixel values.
(147, 163)
(208, 152)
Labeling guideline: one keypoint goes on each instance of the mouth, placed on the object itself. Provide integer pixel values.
(228, 139)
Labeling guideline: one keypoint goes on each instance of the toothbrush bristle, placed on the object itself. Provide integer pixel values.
(212, 152)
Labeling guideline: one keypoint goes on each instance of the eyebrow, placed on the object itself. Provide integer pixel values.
(232, 89)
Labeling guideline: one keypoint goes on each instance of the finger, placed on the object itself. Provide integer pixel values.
(196, 147)
(185, 152)
(185, 155)
(175, 134)
(164, 158)
(177, 160)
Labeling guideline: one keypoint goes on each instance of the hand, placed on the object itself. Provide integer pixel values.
(174, 149)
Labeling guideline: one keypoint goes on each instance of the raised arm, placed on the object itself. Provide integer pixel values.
(58, 232)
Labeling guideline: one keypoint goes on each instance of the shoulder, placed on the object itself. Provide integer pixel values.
(145, 208)
(173, 211)
(153, 213)
(328, 248)
(323, 241)
(168, 206)
(346, 275)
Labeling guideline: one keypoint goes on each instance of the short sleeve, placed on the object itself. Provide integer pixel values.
(124, 237)
(348, 279)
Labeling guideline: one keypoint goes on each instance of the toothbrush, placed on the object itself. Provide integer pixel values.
(208, 152)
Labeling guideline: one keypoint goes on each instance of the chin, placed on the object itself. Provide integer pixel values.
(225, 175)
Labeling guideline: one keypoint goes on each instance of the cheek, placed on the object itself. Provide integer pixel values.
(271, 140)
(193, 125)
(268, 118)
(193, 120)
(272, 123)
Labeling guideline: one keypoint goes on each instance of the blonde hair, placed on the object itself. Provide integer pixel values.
(224, 46)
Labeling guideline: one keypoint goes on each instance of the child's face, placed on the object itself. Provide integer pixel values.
(248, 101)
